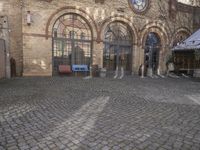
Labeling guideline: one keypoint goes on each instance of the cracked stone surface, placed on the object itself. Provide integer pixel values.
(99, 114)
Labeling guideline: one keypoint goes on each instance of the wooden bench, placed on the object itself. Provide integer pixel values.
(64, 69)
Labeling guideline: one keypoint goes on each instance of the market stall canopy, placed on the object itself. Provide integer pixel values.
(191, 43)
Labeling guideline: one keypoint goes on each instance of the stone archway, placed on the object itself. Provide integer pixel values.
(67, 10)
(151, 53)
(161, 32)
(180, 35)
(127, 24)
(72, 42)
(118, 45)
(123, 20)
(71, 10)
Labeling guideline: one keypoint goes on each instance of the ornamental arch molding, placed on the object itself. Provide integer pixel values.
(70, 10)
(124, 21)
(157, 28)
(180, 35)
(161, 31)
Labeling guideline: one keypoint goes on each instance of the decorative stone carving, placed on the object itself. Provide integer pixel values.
(172, 9)
(139, 6)
(47, 0)
(100, 1)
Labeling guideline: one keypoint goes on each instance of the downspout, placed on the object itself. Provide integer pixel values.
(22, 49)
(7, 46)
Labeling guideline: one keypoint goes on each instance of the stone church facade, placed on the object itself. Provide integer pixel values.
(39, 35)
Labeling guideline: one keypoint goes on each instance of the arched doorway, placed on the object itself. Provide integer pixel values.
(117, 47)
(152, 52)
(2, 59)
(72, 41)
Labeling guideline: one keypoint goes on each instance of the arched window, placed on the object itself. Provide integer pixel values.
(70, 45)
(151, 52)
(117, 47)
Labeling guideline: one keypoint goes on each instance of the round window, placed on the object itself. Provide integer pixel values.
(139, 6)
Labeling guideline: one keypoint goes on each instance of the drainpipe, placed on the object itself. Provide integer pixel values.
(6, 31)
(22, 40)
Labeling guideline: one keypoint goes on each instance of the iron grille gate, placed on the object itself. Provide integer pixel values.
(71, 42)
(152, 49)
(2, 59)
(117, 47)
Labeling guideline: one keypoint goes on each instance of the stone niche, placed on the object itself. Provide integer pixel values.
(99, 1)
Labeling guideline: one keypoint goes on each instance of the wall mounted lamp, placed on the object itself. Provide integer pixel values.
(28, 18)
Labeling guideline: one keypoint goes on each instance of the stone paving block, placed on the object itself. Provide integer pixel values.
(11, 147)
(71, 113)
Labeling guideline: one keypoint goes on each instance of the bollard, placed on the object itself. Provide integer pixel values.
(142, 71)
(122, 73)
(116, 73)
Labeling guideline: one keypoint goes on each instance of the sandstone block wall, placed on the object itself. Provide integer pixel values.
(11, 9)
(34, 56)
(2, 60)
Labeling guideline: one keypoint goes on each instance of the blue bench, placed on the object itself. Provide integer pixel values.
(80, 68)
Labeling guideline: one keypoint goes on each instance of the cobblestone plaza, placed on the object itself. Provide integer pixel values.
(73, 113)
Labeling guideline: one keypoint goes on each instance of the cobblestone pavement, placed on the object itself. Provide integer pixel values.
(99, 114)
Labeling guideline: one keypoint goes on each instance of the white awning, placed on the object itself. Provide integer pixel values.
(191, 43)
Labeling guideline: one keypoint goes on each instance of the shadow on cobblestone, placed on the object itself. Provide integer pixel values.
(71, 113)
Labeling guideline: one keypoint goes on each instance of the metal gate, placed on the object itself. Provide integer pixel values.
(117, 47)
(152, 52)
(72, 41)
(2, 59)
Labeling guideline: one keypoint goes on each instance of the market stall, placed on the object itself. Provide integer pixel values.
(187, 55)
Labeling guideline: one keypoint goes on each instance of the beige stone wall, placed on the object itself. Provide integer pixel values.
(37, 49)
(37, 57)
(196, 20)
(12, 10)
(2, 60)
